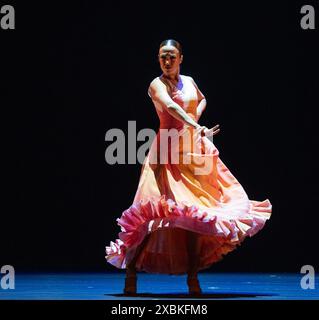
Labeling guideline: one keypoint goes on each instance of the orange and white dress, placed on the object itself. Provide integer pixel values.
(175, 196)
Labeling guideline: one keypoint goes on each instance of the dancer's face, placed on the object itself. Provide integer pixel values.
(169, 59)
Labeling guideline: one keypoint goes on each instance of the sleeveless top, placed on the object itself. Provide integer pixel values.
(184, 94)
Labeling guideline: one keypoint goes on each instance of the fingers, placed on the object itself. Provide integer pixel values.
(216, 129)
(216, 132)
(209, 132)
(212, 131)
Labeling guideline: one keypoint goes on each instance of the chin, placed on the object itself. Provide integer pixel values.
(168, 72)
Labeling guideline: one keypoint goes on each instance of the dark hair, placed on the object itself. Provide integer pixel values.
(172, 42)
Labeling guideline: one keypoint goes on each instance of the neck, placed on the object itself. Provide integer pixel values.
(173, 77)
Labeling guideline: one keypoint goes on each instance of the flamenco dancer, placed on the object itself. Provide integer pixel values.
(184, 217)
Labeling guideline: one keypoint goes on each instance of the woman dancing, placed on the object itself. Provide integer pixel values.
(185, 215)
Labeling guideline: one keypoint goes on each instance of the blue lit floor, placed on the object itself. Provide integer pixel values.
(109, 286)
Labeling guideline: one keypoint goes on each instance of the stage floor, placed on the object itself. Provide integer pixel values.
(109, 286)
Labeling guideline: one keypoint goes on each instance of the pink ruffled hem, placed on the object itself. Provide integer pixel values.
(219, 235)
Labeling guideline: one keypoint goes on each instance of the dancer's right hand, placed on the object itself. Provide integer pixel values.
(209, 132)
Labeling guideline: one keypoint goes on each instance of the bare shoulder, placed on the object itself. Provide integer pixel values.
(192, 81)
(188, 79)
(156, 84)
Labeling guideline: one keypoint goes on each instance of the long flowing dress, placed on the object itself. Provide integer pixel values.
(175, 196)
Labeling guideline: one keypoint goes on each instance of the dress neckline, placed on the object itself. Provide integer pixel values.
(178, 86)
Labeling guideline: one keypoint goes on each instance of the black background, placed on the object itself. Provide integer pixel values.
(70, 72)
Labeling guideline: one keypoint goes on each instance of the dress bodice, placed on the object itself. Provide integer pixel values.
(185, 95)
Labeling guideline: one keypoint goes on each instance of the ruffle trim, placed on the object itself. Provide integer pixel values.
(148, 216)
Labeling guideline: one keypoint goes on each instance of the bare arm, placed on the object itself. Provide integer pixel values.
(159, 93)
(201, 100)
(199, 110)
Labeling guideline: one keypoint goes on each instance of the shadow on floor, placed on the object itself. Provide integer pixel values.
(198, 296)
